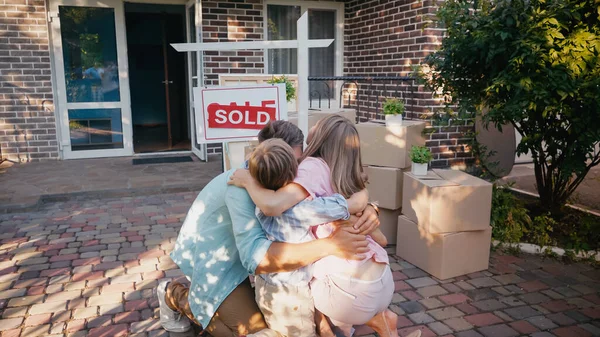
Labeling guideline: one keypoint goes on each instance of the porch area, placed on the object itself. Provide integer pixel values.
(27, 186)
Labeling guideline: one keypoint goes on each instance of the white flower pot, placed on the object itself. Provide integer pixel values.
(419, 169)
(391, 120)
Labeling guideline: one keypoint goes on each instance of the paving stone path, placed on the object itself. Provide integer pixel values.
(89, 268)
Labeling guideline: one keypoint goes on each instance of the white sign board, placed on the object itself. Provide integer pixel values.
(225, 114)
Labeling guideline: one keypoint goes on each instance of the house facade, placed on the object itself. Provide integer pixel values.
(91, 78)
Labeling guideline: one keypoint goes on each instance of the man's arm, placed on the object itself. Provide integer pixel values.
(345, 243)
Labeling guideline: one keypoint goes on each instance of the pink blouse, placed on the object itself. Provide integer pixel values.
(314, 175)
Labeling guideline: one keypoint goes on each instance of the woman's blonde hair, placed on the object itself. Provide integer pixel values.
(336, 141)
(273, 164)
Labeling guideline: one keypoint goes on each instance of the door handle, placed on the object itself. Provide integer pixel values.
(167, 82)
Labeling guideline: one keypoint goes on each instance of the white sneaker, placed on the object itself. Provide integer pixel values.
(170, 320)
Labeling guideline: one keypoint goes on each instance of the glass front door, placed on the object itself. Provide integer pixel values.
(91, 78)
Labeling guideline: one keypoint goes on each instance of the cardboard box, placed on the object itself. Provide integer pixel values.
(381, 145)
(385, 186)
(315, 115)
(247, 150)
(447, 201)
(389, 224)
(443, 255)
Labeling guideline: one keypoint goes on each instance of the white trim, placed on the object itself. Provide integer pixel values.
(124, 104)
(244, 45)
(338, 7)
(197, 4)
(161, 154)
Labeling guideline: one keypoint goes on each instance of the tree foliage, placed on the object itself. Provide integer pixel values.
(536, 65)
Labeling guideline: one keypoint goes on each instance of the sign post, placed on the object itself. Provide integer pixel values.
(302, 44)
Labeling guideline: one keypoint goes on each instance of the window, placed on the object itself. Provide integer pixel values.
(325, 21)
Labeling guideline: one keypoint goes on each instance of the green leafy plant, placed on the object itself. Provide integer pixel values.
(290, 90)
(540, 231)
(393, 106)
(532, 64)
(420, 154)
(509, 217)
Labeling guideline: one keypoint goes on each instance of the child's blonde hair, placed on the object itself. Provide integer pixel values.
(335, 140)
(273, 164)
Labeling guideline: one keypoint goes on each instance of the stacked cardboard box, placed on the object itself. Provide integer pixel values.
(385, 152)
(315, 115)
(445, 227)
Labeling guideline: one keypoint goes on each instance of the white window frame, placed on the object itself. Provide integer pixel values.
(339, 37)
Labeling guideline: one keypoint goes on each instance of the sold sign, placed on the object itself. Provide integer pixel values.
(232, 116)
(237, 113)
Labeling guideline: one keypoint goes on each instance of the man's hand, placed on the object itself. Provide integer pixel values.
(367, 222)
(347, 243)
(240, 178)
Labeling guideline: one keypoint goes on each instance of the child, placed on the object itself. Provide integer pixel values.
(285, 298)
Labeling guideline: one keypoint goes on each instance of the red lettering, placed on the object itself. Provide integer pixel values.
(245, 116)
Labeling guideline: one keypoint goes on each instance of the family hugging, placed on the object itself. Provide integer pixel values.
(301, 222)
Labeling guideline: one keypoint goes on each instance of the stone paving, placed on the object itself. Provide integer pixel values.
(89, 268)
(24, 186)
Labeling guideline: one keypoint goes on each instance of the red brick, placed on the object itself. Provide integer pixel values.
(425, 332)
(119, 330)
(36, 290)
(38, 319)
(558, 306)
(87, 262)
(532, 286)
(88, 276)
(411, 295)
(398, 276)
(523, 327)
(483, 319)
(467, 308)
(571, 331)
(401, 285)
(136, 305)
(55, 272)
(593, 313)
(127, 317)
(403, 321)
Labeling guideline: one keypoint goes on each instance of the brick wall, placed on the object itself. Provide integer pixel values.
(388, 38)
(27, 123)
(230, 21)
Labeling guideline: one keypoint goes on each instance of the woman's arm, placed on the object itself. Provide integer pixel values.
(271, 203)
(358, 201)
(378, 236)
(282, 257)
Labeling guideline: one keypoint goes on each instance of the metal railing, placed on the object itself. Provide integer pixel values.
(366, 93)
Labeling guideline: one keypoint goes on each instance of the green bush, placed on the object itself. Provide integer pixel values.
(393, 106)
(533, 64)
(510, 218)
(420, 154)
(290, 90)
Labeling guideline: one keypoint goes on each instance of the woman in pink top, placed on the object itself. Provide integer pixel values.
(347, 292)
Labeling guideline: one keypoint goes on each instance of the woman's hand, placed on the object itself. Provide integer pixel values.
(240, 178)
(347, 243)
(368, 221)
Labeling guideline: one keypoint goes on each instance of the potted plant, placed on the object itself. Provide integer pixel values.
(290, 90)
(393, 109)
(420, 157)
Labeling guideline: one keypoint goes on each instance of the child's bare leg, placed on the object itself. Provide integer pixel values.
(323, 327)
(384, 323)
